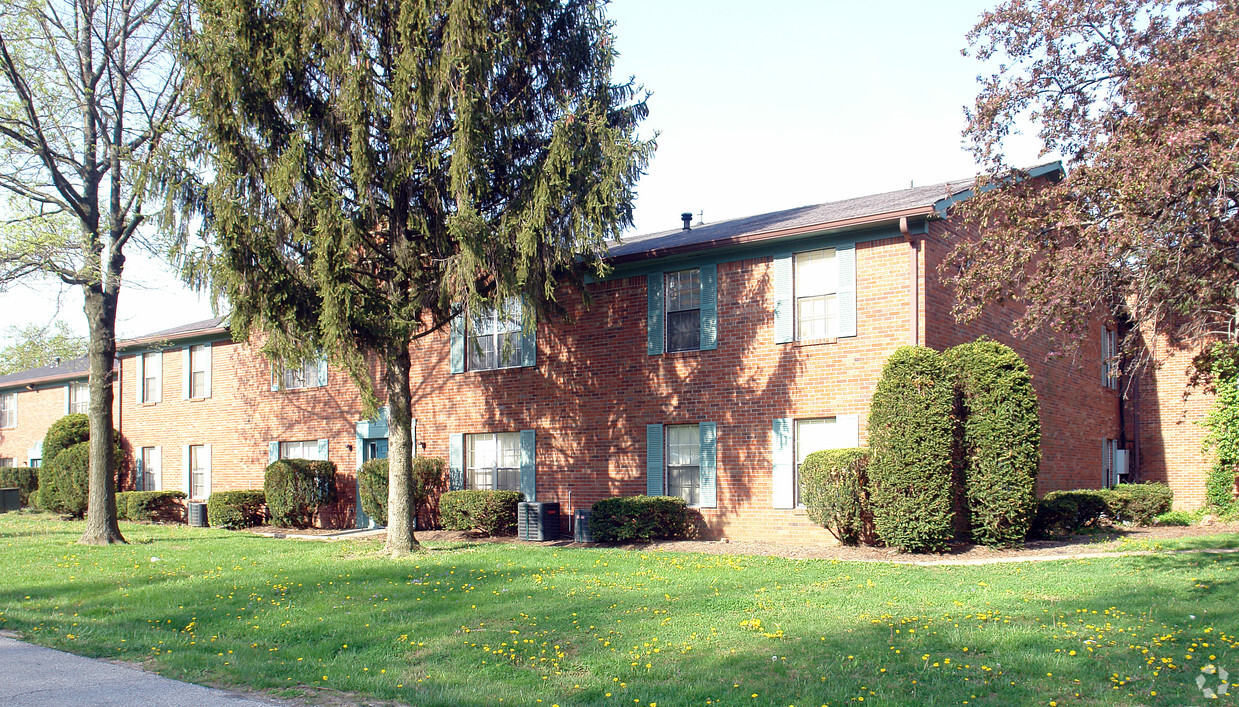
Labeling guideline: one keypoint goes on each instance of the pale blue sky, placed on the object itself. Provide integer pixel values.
(759, 106)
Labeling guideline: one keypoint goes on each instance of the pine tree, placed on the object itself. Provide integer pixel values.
(384, 166)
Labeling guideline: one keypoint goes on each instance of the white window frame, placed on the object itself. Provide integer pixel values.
(493, 337)
(151, 381)
(824, 287)
(8, 410)
(200, 453)
(76, 404)
(501, 462)
(306, 376)
(691, 493)
(150, 460)
(296, 448)
(1109, 358)
(198, 363)
(803, 448)
(685, 298)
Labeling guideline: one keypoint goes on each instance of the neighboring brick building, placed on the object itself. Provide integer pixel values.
(708, 364)
(30, 401)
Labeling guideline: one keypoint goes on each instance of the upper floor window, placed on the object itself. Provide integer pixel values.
(199, 365)
(8, 409)
(1109, 358)
(150, 376)
(495, 337)
(79, 397)
(311, 373)
(683, 309)
(494, 461)
(817, 282)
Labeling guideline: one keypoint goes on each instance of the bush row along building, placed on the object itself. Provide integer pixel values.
(709, 364)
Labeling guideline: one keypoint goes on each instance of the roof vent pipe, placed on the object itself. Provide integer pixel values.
(687, 218)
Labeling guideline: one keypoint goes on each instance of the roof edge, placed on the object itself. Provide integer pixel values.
(180, 336)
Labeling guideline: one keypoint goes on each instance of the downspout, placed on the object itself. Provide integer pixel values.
(914, 289)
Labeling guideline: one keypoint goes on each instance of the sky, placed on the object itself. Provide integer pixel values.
(757, 107)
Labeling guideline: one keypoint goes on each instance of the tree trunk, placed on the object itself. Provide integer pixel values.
(101, 525)
(400, 540)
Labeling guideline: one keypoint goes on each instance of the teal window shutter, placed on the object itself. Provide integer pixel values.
(709, 307)
(68, 394)
(273, 452)
(784, 301)
(322, 450)
(709, 464)
(141, 378)
(845, 259)
(529, 343)
(654, 314)
(653, 460)
(456, 454)
(276, 372)
(322, 371)
(529, 479)
(458, 342)
(783, 453)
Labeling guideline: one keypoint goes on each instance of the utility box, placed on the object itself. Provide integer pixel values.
(580, 526)
(10, 500)
(537, 522)
(197, 514)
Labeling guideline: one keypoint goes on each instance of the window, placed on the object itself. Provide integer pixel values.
(199, 466)
(79, 397)
(494, 461)
(1109, 358)
(149, 459)
(816, 283)
(150, 376)
(303, 376)
(8, 409)
(684, 463)
(683, 310)
(6, 462)
(495, 337)
(199, 363)
(302, 449)
(812, 436)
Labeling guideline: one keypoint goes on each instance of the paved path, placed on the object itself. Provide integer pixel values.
(33, 675)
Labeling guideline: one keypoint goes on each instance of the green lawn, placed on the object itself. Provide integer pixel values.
(520, 624)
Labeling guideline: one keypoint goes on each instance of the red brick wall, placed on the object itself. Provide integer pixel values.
(1077, 410)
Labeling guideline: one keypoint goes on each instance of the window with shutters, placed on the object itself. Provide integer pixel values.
(303, 376)
(300, 449)
(8, 409)
(494, 461)
(683, 298)
(683, 477)
(198, 362)
(150, 376)
(812, 435)
(816, 282)
(79, 397)
(495, 337)
(198, 471)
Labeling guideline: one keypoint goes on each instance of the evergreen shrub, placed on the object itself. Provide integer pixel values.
(71, 480)
(63, 434)
(372, 477)
(1067, 512)
(296, 489)
(911, 440)
(1000, 451)
(1140, 504)
(24, 479)
(234, 510)
(638, 518)
(834, 488)
(490, 512)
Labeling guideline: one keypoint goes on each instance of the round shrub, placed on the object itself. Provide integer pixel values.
(72, 482)
(234, 510)
(1066, 512)
(372, 478)
(1001, 444)
(491, 512)
(911, 439)
(1140, 504)
(638, 518)
(834, 488)
(296, 489)
(24, 479)
(65, 433)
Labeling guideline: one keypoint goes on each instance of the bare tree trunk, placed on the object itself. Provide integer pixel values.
(101, 524)
(400, 540)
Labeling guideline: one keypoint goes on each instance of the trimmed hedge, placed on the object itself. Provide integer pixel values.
(834, 488)
(24, 479)
(1001, 443)
(154, 506)
(912, 439)
(234, 510)
(638, 518)
(296, 489)
(1066, 512)
(372, 477)
(491, 512)
(1138, 503)
(66, 433)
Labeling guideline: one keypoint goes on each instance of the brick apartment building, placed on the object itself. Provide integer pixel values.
(711, 361)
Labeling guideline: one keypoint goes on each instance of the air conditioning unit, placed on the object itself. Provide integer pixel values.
(10, 500)
(537, 522)
(197, 514)
(580, 526)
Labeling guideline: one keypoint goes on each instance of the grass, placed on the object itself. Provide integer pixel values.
(519, 624)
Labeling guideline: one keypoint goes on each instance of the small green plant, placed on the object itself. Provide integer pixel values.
(24, 479)
(234, 510)
(1140, 504)
(638, 518)
(490, 512)
(1178, 518)
(834, 488)
(296, 489)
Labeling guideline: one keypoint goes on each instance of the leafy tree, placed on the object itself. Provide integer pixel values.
(1140, 96)
(88, 150)
(36, 346)
(383, 167)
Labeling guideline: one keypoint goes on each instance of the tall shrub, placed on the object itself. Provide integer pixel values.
(70, 469)
(1222, 421)
(67, 432)
(24, 479)
(834, 487)
(911, 437)
(296, 488)
(428, 479)
(1001, 443)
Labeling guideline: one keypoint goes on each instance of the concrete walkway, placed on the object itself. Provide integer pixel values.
(33, 675)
